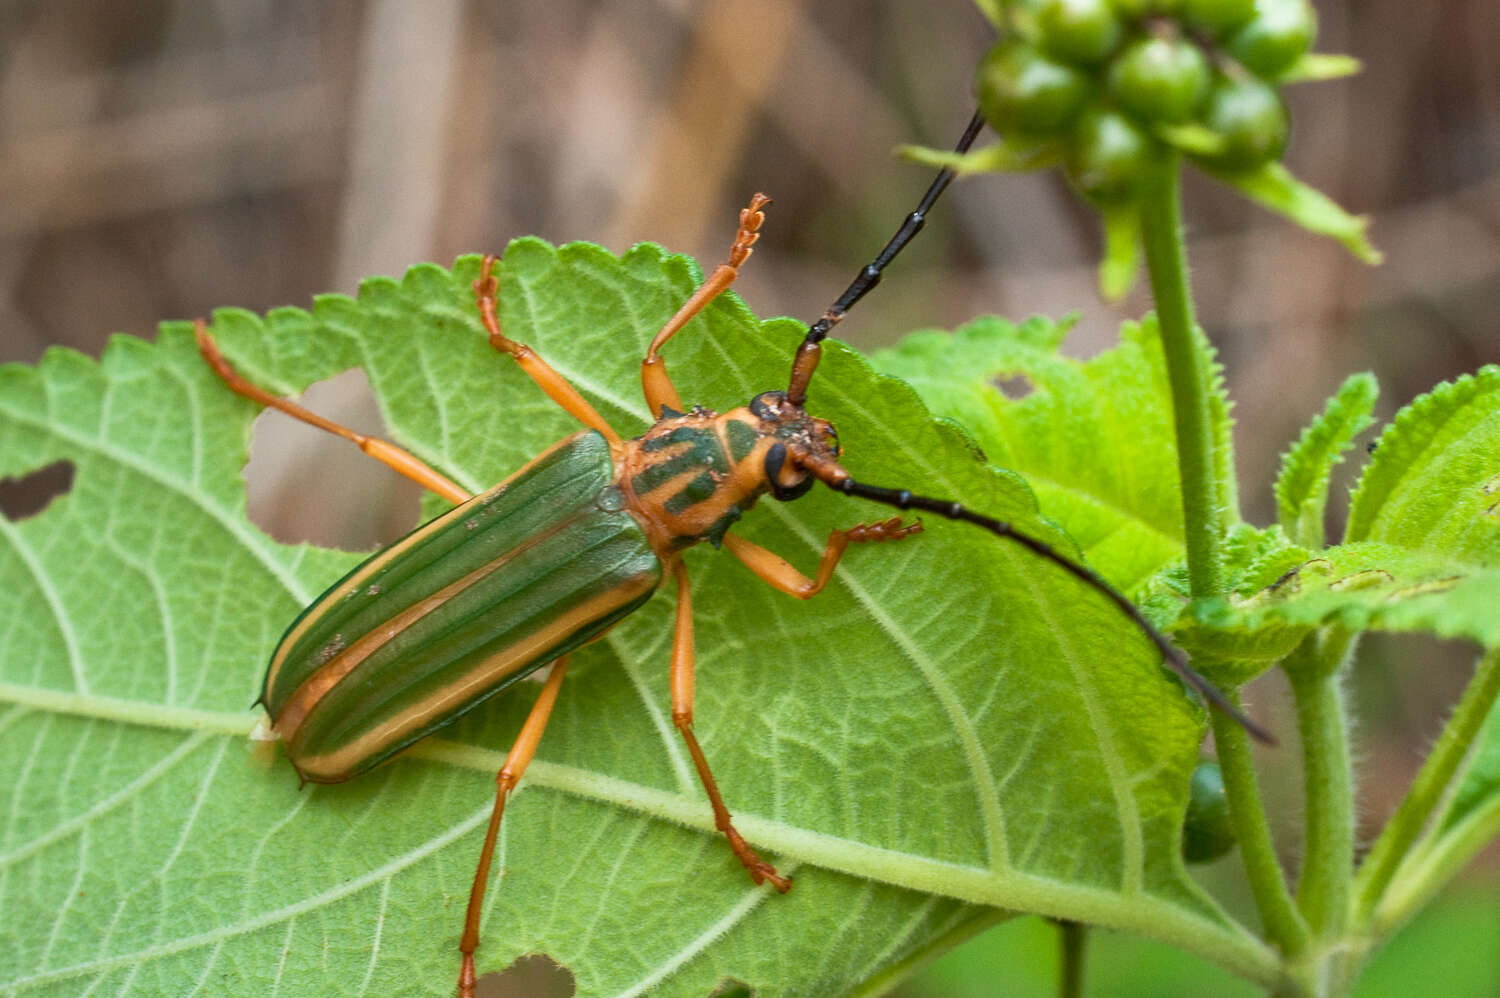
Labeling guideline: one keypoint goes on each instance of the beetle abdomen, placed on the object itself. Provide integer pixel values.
(458, 610)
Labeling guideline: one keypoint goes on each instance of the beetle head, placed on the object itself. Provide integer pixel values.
(801, 444)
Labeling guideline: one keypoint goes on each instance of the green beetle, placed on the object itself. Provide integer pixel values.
(516, 577)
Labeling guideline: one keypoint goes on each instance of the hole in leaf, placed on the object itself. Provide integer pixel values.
(1013, 386)
(309, 486)
(28, 495)
(731, 988)
(535, 975)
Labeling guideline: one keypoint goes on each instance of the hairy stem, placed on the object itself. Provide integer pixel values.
(1283, 922)
(1324, 889)
(1161, 230)
(1436, 776)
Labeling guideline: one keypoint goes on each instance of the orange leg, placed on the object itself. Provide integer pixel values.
(682, 716)
(554, 384)
(778, 572)
(401, 461)
(505, 781)
(654, 380)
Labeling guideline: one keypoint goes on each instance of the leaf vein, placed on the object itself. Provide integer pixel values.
(752, 899)
(104, 806)
(53, 600)
(247, 537)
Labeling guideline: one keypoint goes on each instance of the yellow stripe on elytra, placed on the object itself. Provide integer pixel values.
(328, 675)
(356, 581)
(485, 675)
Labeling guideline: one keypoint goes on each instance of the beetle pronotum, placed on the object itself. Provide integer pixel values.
(518, 576)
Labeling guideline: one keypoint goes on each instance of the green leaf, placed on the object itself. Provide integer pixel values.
(1221, 419)
(949, 728)
(1360, 586)
(1422, 550)
(1190, 137)
(1434, 482)
(1002, 156)
(1315, 67)
(1302, 485)
(1274, 188)
(1093, 438)
(1122, 250)
(994, 12)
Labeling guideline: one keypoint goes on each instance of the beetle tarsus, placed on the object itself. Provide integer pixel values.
(885, 530)
(760, 871)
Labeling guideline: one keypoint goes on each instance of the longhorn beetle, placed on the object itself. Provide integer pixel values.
(525, 572)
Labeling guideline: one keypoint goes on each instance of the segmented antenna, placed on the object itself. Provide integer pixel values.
(806, 360)
(902, 499)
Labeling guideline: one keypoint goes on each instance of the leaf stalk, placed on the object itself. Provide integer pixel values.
(1394, 848)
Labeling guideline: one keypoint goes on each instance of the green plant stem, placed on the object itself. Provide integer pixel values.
(1429, 869)
(1283, 922)
(1434, 779)
(1328, 786)
(1161, 232)
(888, 977)
(1071, 938)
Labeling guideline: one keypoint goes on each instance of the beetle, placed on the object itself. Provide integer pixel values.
(518, 576)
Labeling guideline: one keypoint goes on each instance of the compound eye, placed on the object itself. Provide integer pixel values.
(775, 461)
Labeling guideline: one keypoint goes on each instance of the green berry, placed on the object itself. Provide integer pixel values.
(1160, 79)
(1277, 36)
(1207, 831)
(1109, 157)
(1083, 31)
(1217, 17)
(1248, 114)
(1022, 91)
(1134, 10)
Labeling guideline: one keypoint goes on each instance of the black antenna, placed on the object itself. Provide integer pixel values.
(869, 275)
(902, 499)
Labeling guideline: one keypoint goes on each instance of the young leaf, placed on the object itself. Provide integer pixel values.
(1434, 481)
(1361, 586)
(1121, 260)
(950, 727)
(1001, 156)
(1314, 67)
(1422, 549)
(1273, 187)
(1302, 485)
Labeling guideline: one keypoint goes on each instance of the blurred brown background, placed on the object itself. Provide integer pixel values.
(162, 158)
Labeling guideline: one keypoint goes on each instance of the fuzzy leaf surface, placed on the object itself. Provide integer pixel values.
(1093, 438)
(1302, 485)
(1274, 188)
(1422, 549)
(948, 728)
